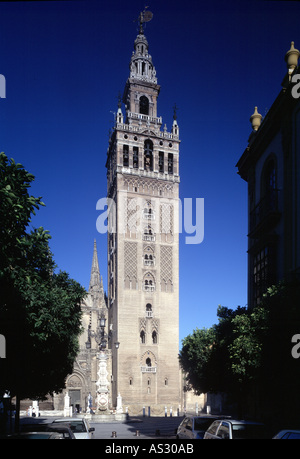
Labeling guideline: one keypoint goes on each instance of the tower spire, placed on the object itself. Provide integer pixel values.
(95, 287)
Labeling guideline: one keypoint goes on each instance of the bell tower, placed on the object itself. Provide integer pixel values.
(143, 244)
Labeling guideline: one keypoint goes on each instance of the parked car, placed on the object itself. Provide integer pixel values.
(63, 429)
(79, 426)
(228, 429)
(35, 436)
(194, 426)
(288, 435)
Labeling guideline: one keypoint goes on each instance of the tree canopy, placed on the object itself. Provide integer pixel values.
(40, 313)
(248, 354)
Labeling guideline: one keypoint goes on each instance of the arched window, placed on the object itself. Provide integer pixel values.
(143, 337)
(149, 284)
(144, 105)
(125, 155)
(170, 163)
(149, 310)
(269, 186)
(148, 155)
(148, 362)
(154, 337)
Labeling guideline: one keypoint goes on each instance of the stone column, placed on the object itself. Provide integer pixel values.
(102, 383)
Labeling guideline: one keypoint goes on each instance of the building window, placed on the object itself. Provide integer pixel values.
(125, 155)
(144, 105)
(170, 163)
(154, 337)
(148, 212)
(149, 284)
(263, 272)
(266, 212)
(148, 234)
(149, 312)
(143, 337)
(135, 157)
(148, 260)
(148, 155)
(161, 161)
(149, 287)
(270, 186)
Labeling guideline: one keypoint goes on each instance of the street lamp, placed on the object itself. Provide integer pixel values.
(102, 321)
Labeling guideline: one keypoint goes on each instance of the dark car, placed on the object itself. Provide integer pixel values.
(194, 427)
(64, 430)
(288, 435)
(35, 436)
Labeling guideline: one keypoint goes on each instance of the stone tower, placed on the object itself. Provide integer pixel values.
(143, 244)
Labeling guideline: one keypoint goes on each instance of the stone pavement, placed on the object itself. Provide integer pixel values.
(133, 429)
(138, 428)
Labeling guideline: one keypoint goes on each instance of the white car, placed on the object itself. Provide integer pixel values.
(79, 426)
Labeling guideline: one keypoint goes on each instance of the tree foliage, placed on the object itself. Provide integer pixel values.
(194, 358)
(40, 314)
(249, 352)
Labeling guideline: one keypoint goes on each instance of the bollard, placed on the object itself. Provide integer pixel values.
(114, 434)
(157, 432)
(137, 433)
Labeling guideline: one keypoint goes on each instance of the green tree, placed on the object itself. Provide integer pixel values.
(249, 331)
(205, 356)
(40, 314)
(194, 358)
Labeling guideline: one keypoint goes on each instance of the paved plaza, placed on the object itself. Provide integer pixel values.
(138, 427)
(134, 428)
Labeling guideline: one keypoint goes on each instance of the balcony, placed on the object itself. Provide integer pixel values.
(265, 214)
(145, 118)
(149, 237)
(148, 262)
(149, 288)
(148, 216)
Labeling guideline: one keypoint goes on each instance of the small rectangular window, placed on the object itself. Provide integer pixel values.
(161, 161)
(125, 156)
(170, 163)
(136, 157)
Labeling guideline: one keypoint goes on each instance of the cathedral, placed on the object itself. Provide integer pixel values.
(128, 359)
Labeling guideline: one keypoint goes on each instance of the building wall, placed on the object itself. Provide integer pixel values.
(273, 214)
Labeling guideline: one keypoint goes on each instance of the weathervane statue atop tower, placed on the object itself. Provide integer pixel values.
(145, 16)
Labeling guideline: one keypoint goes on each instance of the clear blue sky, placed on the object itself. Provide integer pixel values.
(64, 64)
